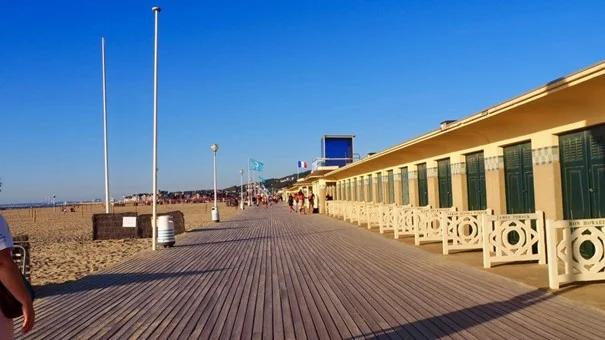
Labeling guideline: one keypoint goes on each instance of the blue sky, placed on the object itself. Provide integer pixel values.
(255, 77)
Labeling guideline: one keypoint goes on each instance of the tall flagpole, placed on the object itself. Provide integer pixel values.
(155, 132)
(248, 187)
(105, 127)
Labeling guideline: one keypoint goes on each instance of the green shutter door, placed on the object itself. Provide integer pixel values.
(370, 189)
(349, 197)
(582, 157)
(596, 141)
(444, 175)
(423, 192)
(354, 189)
(391, 186)
(475, 181)
(379, 183)
(574, 175)
(519, 179)
(519, 182)
(405, 186)
(361, 190)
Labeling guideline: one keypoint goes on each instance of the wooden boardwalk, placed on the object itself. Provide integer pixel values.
(274, 275)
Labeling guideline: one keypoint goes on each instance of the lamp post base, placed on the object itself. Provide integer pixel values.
(215, 215)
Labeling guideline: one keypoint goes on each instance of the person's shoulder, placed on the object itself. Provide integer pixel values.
(6, 239)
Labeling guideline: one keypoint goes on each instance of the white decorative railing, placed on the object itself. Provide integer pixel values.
(566, 260)
(427, 225)
(462, 230)
(336, 208)
(386, 217)
(354, 212)
(497, 248)
(346, 210)
(328, 210)
(333, 209)
(362, 211)
(342, 208)
(372, 218)
(404, 221)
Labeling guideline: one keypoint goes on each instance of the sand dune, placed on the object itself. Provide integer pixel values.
(62, 248)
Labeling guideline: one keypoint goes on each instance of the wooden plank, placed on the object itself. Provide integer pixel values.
(292, 276)
(205, 324)
(155, 300)
(382, 249)
(239, 254)
(292, 298)
(104, 300)
(363, 293)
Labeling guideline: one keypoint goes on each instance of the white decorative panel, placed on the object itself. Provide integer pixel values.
(567, 260)
(497, 248)
(427, 225)
(462, 230)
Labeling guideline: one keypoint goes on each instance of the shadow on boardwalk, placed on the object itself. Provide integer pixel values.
(101, 281)
(448, 324)
(221, 241)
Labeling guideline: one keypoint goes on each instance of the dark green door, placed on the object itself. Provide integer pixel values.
(475, 181)
(582, 157)
(379, 189)
(444, 175)
(370, 189)
(519, 182)
(361, 190)
(391, 186)
(405, 186)
(349, 197)
(423, 192)
(519, 179)
(354, 189)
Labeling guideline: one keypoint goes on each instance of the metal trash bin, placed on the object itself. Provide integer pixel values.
(166, 231)
(215, 215)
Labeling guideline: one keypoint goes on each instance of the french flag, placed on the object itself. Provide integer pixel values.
(302, 164)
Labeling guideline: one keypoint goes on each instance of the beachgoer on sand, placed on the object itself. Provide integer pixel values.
(13, 282)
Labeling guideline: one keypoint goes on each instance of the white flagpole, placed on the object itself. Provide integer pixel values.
(249, 182)
(105, 127)
(155, 132)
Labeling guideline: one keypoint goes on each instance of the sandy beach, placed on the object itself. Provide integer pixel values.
(62, 248)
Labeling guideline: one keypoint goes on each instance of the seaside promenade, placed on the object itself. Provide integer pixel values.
(270, 274)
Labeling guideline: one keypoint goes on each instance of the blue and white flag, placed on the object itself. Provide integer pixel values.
(256, 165)
(262, 180)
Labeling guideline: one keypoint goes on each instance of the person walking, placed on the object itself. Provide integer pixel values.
(311, 198)
(13, 282)
(301, 198)
(290, 203)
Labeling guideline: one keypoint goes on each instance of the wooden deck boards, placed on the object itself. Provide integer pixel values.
(269, 274)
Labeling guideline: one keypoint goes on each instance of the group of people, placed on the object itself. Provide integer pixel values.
(296, 202)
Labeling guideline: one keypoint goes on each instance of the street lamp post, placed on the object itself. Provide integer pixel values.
(241, 189)
(215, 215)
